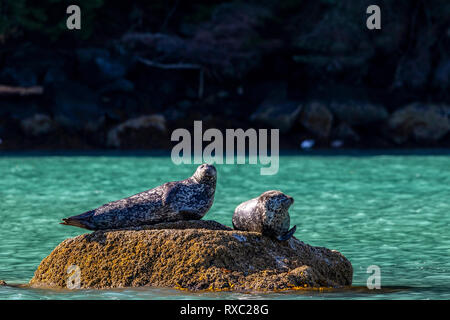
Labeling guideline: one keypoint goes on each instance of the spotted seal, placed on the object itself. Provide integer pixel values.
(267, 214)
(187, 199)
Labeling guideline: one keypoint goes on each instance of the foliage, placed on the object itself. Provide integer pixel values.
(46, 17)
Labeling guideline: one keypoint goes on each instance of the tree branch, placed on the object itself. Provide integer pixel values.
(21, 91)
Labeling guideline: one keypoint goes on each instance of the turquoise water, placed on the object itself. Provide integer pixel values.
(392, 211)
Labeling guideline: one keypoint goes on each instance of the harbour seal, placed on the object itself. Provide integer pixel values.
(188, 199)
(268, 214)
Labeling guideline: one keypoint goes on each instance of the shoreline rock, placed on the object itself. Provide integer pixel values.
(317, 119)
(192, 255)
(153, 125)
(420, 122)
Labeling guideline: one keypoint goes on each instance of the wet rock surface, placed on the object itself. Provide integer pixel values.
(317, 119)
(358, 112)
(277, 113)
(131, 132)
(420, 122)
(192, 255)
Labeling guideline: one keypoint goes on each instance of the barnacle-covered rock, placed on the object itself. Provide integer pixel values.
(192, 255)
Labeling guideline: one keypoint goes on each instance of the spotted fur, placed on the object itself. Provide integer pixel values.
(188, 199)
(268, 214)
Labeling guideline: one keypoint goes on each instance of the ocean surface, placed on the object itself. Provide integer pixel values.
(383, 209)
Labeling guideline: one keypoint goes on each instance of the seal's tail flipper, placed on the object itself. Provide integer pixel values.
(288, 234)
(81, 221)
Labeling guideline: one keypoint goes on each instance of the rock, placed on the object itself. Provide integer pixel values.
(422, 123)
(38, 124)
(317, 119)
(345, 132)
(2, 283)
(358, 113)
(192, 255)
(137, 129)
(280, 114)
(120, 105)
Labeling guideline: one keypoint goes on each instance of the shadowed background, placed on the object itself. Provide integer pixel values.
(139, 69)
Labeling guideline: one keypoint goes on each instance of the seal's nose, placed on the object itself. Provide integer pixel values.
(209, 169)
(288, 200)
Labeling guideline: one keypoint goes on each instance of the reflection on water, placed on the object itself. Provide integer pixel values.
(354, 292)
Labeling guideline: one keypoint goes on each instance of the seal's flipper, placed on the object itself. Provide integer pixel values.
(73, 222)
(80, 221)
(287, 235)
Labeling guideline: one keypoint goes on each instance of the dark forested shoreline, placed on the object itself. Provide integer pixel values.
(137, 71)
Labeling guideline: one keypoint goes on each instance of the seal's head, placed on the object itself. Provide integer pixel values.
(276, 201)
(275, 214)
(205, 173)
